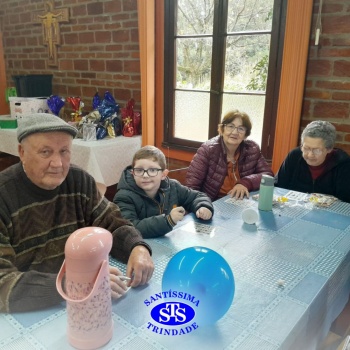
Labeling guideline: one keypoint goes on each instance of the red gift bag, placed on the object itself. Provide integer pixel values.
(131, 120)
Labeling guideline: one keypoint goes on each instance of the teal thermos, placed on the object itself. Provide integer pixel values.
(266, 192)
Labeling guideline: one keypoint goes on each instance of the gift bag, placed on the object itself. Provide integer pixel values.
(109, 123)
(131, 120)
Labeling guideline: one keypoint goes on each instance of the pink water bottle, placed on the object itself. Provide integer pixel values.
(86, 287)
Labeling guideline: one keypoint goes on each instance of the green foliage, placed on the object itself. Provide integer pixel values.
(194, 25)
(258, 82)
(260, 70)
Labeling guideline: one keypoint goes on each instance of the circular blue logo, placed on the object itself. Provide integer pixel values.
(172, 313)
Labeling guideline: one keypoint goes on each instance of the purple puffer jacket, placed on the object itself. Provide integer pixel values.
(208, 167)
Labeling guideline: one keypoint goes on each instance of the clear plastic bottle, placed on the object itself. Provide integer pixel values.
(266, 192)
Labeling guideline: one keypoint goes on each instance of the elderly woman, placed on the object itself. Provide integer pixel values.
(317, 167)
(228, 164)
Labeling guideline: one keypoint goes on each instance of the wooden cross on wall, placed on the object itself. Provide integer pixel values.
(51, 30)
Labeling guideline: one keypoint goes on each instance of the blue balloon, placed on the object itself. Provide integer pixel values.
(204, 276)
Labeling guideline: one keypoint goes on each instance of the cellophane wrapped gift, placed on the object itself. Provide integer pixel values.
(108, 109)
(102, 121)
(89, 132)
(88, 125)
(77, 105)
(131, 119)
(55, 103)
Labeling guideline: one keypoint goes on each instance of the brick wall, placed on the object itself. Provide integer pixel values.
(327, 88)
(99, 47)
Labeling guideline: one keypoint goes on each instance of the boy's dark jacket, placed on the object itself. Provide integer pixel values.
(148, 215)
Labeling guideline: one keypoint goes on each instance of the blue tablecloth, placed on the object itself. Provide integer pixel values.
(291, 274)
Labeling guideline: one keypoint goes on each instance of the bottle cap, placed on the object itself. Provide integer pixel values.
(250, 216)
(268, 180)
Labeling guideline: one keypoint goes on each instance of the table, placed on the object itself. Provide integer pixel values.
(104, 159)
(307, 248)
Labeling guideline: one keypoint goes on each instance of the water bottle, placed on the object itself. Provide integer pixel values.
(266, 192)
(87, 288)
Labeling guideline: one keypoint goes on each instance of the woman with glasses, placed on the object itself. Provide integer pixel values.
(316, 166)
(228, 164)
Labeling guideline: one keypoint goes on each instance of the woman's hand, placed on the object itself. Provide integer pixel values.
(118, 286)
(204, 213)
(239, 191)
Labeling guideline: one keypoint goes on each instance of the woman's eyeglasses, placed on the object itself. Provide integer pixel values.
(231, 128)
(151, 172)
(315, 151)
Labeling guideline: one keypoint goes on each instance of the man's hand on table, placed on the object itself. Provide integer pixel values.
(140, 266)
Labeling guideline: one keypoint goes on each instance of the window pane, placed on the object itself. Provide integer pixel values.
(195, 17)
(236, 41)
(248, 15)
(191, 115)
(246, 65)
(193, 63)
(253, 106)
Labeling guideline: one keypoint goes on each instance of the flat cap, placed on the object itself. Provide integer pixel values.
(42, 122)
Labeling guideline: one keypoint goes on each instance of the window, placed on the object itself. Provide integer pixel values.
(220, 55)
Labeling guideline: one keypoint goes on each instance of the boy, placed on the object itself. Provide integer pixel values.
(153, 202)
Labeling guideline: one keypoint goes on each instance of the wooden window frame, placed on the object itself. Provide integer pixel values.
(218, 61)
(291, 89)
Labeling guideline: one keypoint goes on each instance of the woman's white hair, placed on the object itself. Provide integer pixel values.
(320, 129)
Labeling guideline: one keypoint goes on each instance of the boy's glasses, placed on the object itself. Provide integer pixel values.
(151, 172)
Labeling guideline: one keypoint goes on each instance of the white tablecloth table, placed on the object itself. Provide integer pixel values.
(103, 159)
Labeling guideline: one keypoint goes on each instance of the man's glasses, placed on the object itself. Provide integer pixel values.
(151, 172)
(231, 128)
(315, 151)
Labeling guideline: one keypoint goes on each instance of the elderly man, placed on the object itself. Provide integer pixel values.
(43, 199)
